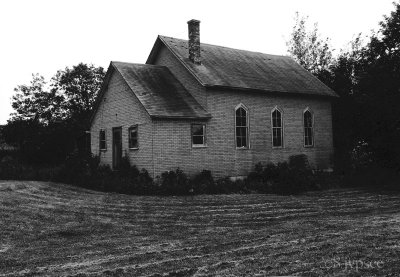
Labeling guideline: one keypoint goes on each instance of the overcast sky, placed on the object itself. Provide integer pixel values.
(40, 36)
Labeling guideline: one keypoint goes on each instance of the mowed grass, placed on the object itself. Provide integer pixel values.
(49, 229)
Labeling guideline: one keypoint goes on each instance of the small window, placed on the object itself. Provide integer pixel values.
(308, 129)
(242, 127)
(277, 128)
(133, 137)
(102, 139)
(198, 135)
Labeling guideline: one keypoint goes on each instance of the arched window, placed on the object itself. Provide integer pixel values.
(242, 127)
(308, 128)
(277, 128)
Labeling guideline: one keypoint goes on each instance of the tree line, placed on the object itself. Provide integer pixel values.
(51, 118)
(366, 117)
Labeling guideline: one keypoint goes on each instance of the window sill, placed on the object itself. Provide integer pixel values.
(277, 147)
(199, 146)
(242, 148)
(308, 146)
(135, 148)
(103, 150)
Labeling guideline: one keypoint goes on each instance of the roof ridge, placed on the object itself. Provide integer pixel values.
(137, 64)
(244, 50)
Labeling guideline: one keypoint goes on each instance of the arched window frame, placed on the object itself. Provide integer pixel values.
(311, 128)
(276, 108)
(247, 146)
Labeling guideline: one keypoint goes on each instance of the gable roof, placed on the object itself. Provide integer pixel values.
(157, 89)
(245, 70)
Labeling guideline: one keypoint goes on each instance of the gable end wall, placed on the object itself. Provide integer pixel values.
(166, 58)
(121, 108)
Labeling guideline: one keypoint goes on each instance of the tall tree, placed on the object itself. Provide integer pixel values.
(79, 86)
(378, 90)
(308, 48)
(368, 80)
(50, 118)
(36, 102)
(70, 94)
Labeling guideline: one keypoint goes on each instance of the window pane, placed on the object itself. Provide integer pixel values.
(239, 112)
(198, 140)
(102, 139)
(307, 119)
(244, 141)
(133, 137)
(243, 121)
(308, 139)
(239, 131)
(241, 136)
(276, 119)
(133, 143)
(239, 141)
(277, 137)
(197, 130)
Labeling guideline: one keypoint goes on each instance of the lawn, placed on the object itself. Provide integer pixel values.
(50, 229)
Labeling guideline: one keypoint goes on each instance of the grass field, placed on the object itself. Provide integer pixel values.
(49, 229)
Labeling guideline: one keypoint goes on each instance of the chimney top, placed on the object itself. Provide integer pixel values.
(194, 41)
(195, 21)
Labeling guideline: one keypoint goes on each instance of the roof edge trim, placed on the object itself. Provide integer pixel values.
(266, 90)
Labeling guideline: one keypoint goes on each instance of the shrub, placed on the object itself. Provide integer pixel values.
(77, 169)
(12, 168)
(226, 185)
(284, 178)
(86, 171)
(144, 183)
(261, 179)
(361, 156)
(299, 162)
(203, 182)
(175, 182)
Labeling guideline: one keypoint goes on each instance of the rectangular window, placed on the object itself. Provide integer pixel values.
(102, 140)
(133, 137)
(198, 135)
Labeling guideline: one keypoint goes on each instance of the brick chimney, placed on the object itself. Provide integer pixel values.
(194, 41)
